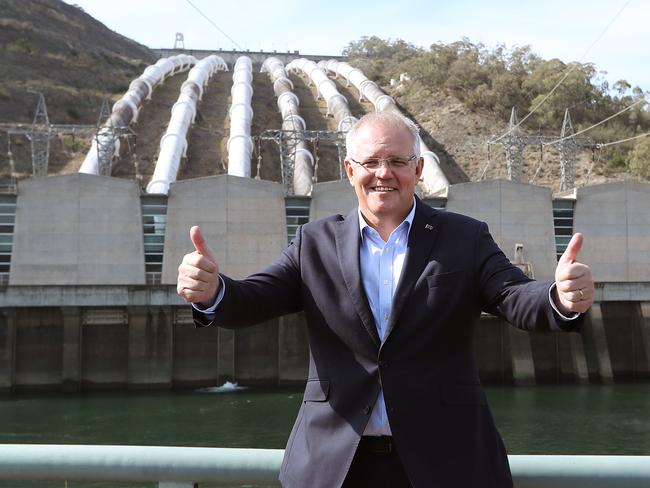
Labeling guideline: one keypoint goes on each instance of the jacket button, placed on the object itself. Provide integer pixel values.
(383, 364)
(366, 409)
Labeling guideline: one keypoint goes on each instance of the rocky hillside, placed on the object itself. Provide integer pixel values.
(461, 136)
(51, 47)
(55, 48)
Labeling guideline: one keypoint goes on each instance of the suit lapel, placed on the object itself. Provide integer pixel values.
(347, 249)
(422, 237)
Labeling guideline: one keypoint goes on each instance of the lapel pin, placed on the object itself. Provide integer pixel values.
(428, 227)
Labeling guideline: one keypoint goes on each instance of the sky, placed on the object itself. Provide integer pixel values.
(612, 34)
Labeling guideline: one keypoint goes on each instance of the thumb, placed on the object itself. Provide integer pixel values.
(572, 250)
(199, 243)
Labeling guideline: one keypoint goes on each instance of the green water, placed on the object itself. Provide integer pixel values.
(542, 420)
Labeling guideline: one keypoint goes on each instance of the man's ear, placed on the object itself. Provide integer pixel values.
(349, 171)
(419, 167)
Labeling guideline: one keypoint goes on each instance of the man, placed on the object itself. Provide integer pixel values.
(391, 294)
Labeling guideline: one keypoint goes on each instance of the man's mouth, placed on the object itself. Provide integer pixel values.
(382, 189)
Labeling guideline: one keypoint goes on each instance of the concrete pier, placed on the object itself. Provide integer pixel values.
(150, 347)
(596, 340)
(72, 341)
(616, 221)
(7, 349)
(644, 333)
(521, 356)
(243, 221)
(77, 229)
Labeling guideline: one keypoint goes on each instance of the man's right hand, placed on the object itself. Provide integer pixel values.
(198, 275)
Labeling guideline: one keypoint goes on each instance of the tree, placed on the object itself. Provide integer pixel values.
(640, 158)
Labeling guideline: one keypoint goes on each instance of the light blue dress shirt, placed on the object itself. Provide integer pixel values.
(381, 265)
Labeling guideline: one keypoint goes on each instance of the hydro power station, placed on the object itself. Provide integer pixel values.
(88, 259)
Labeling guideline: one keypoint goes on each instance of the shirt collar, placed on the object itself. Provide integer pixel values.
(409, 219)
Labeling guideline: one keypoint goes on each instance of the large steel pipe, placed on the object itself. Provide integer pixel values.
(125, 111)
(173, 145)
(240, 144)
(303, 162)
(337, 105)
(433, 179)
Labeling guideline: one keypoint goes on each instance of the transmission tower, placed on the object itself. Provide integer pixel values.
(513, 145)
(104, 113)
(287, 141)
(568, 148)
(105, 138)
(39, 136)
(39, 132)
(179, 41)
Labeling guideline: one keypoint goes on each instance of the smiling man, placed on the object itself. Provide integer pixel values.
(391, 295)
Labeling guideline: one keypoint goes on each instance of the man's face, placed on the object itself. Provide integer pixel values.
(386, 194)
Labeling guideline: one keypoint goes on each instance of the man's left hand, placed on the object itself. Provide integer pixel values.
(574, 286)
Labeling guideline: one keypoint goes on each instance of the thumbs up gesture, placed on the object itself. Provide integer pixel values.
(198, 274)
(574, 286)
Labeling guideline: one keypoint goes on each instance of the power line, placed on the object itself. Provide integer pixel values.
(214, 25)
(629, 107)
(575, 65)
(600, 146)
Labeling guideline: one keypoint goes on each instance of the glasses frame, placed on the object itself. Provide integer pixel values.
(386, 162)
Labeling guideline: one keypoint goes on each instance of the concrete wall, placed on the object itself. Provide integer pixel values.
(244, 222)
(332, 197)
(70, 335)
(195, 356)
(242, 219)
(520, 213)
(515, 213)
(38, 349)
(61, 349)
(77, 229)
(615, 219)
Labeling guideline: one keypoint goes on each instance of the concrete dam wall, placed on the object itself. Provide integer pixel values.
(88, 298)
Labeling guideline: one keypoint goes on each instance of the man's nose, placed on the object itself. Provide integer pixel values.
(384, 171)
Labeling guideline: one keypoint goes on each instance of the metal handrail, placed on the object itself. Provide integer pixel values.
(185, 466)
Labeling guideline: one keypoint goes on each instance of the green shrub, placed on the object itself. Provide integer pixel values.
(640, 158)
(21, 45)
(617, 161)
(73, 113)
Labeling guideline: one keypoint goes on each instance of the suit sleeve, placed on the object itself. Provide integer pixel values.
(507, 292)
(273, 292)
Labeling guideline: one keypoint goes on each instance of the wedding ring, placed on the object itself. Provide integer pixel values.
(582, 295)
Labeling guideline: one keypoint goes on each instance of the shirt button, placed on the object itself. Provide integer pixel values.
(366, 409)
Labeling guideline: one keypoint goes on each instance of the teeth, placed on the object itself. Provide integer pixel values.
(383, 188)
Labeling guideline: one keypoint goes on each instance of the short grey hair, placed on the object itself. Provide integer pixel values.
(391, 120)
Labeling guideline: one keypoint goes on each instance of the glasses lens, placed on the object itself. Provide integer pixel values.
(393, 163)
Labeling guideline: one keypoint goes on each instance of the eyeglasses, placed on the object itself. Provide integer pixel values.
(395, 164)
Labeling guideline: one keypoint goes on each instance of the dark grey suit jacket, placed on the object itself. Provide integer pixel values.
(437, 409)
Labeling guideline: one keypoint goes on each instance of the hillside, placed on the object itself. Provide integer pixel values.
(462, 134)
(462, 93)
(51, 47)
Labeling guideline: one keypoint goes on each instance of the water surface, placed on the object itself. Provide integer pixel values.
(542, 420)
